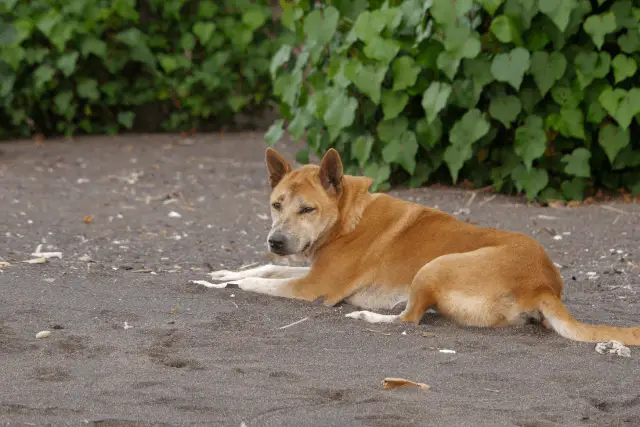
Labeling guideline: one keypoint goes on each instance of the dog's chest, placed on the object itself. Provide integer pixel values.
(378, 297)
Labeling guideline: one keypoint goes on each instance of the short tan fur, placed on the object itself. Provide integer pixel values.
(376, 251)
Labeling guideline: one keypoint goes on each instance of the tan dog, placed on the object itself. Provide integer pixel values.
(376, 251)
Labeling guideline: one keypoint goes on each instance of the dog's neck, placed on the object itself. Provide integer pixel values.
(353, 200)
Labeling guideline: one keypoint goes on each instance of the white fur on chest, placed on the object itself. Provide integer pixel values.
(378, 297)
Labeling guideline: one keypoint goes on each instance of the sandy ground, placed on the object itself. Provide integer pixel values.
(209, 357)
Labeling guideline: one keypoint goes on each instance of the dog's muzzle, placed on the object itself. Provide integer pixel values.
(277, 244)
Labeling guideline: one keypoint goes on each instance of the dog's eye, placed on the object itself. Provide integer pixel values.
(307, 210)
(276, 206)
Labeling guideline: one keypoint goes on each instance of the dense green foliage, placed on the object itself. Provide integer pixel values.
(94, 66)
(540, 96)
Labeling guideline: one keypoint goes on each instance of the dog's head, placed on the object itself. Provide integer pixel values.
(304, 202)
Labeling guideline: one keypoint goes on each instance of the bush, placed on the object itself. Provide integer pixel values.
(525, 95)
(99, 65)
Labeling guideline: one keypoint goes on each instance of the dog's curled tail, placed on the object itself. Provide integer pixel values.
(559, 318)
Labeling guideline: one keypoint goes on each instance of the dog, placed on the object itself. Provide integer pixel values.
(376, 252)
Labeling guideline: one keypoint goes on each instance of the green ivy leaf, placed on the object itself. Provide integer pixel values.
(529, 97)
(361, 149)
(506, 30)
(402, 150)
(448, 62)
(435, 98)
(491, 6)
(62, 101)
(429, 134)
(169, 62)
(287, 86)
(523, 11)
(577, 163)
(558, 11)
(388, 130)
(367, 78)
(570, 122)
(595, 113)
(340, 114)
(274, 133)
(393, 103)
(368, 26)
(381, 49)
(479, 69)
(610, 99)
(320, 27)
(470, 128)
(236, 102)
(405, 73)
(532, 181)
(465, 93)
(591, 66)
(8, 34)
(531, 140)
(281, 57)
(510, 67)
(629, 42)
(88, 89)
(94, 46)
(626, 15)
(187, 41)
(574, 189)
(380, 174)
(204, 31)
(43, 75)
(455, 156)
(613, 139)
(445, 12)
(567, 94)
(627, 158)
(125, 118)
(622, 105)
(547, 69)
(623, 67)
(598, 26)
(48, 21)
(299, 124)
(391, 16)
(254, 17)
(67, 63)
(505, 108)
(61, 34)
(132, 37)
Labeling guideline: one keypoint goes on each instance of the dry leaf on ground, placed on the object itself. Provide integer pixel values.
(391, 383)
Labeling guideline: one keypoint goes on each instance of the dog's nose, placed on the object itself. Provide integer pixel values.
(276, 242)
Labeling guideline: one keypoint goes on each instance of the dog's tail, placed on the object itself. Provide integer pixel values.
(559, 318)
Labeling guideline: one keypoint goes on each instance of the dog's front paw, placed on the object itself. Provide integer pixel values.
(223, 275)
(359, 315)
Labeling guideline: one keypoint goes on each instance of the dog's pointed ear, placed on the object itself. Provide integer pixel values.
(331, 171)
(277, 166)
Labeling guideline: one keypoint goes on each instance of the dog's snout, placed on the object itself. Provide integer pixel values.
(276, 242)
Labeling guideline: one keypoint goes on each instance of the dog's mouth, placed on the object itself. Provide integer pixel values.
(285, 252)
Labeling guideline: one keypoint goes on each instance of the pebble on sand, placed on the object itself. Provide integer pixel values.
(43, 334)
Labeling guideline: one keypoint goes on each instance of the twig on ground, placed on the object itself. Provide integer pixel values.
(294, 323)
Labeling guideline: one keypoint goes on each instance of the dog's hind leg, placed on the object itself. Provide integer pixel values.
(421, 298)
(265, 271)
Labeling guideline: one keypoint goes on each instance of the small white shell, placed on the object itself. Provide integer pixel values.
(43, 334)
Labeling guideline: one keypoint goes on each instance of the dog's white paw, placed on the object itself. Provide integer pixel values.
(225, 275)
(359, 315)
(371, 317)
